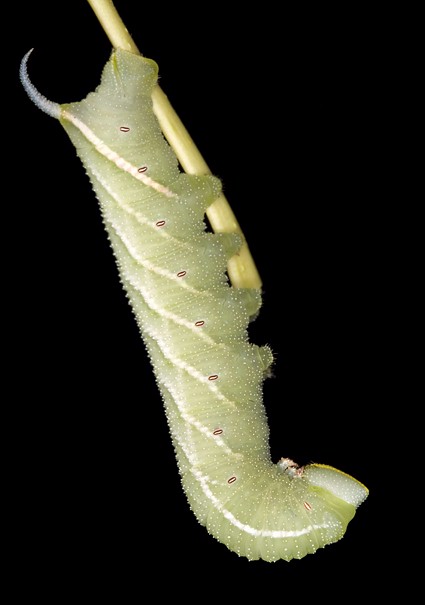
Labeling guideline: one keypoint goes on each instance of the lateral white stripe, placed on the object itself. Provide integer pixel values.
(258, 533)
(151, 304)
(140, 218)
(187, 447)
(146, 264)
(199, 426)
(179, 363)
(111, 155)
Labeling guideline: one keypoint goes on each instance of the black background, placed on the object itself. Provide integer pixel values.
(286, 108)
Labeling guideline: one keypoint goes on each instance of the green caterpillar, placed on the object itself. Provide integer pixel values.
(194, 326)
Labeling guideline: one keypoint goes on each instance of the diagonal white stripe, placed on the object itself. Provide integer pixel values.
(113, 156)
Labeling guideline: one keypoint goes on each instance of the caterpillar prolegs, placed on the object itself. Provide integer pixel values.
(194, 325)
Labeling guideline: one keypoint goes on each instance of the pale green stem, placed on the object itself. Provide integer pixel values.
(241, 268)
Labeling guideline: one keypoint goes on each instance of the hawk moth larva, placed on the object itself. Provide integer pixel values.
(194, 326)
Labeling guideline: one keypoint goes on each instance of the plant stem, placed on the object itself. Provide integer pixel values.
(113, 25)
(241, 267)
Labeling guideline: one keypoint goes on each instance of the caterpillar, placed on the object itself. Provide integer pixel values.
(194, 325)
